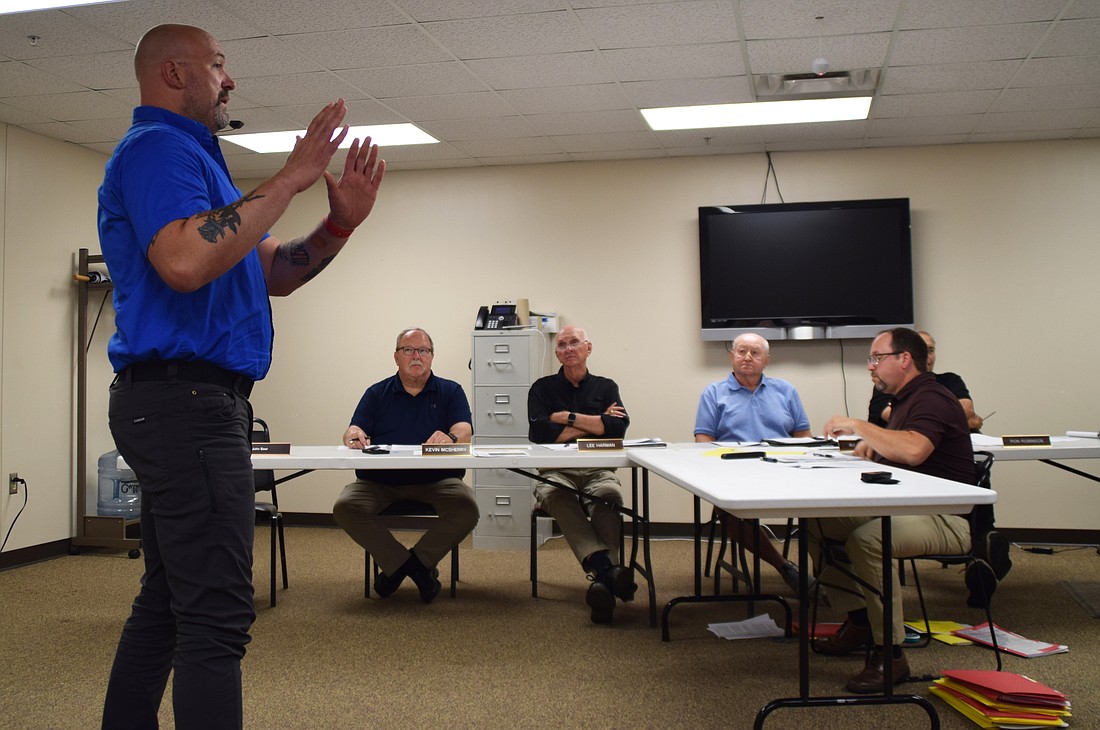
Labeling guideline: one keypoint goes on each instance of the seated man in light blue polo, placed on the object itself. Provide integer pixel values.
(746, 407)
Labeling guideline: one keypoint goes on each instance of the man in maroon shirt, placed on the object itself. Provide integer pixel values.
(927, 433)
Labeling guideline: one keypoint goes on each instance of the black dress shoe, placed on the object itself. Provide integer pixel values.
(427, 580)
(981, 581)
(386, 585)
(872, 680)
(849, 638)
(994, 549)
(602, 602)
(621, 582)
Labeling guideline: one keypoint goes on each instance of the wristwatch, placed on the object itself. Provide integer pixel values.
(572, 418)
(454, 439)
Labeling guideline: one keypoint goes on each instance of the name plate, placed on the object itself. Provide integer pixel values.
(445, 449)
(1025, 440)
(599, 444)
(277, 447)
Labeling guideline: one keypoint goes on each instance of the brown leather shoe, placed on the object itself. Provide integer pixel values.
(848, 638)
(871, 679)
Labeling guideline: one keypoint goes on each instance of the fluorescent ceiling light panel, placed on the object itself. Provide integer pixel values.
(26, 6)
(758, 113)
(383, 135)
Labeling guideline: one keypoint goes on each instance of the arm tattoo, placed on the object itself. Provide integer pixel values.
(296, 253)
(215, 222)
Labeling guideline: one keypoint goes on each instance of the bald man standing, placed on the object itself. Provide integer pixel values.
(193, 267)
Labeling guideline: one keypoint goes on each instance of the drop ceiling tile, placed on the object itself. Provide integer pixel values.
(111, 70)
(77, 105)
(559, 69)
(129, 21)
(962, 45)
(619, 155)
(820, 132)
(361, 48)
(267, 56)
(508, 147)
(422, 79)
(424, 11)
(57, 33)
(589, 97)
(1035, 121)
(284, 18)
(948, 102)
(454, 130)
(1072, 37)
(689, 92)
(102, 130)
(19, 78)
(308, 88)
(935, 13)
(1054, 97)
(66, 132)
(706, 60)
(1058, 71)
(774, 19)
(725, 137)
(919, 140)
(797, 55)
(926, 125)
(948, 77)
(363, 111)
(607, 141)
(660, 24)
(450, 106)
(510, 35)
(528, 160)
(588, 122)
(1021, 136)
(22, 117)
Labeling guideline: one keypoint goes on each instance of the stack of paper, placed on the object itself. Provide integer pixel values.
(1010, 642)
(942, 631)
(1002, 699)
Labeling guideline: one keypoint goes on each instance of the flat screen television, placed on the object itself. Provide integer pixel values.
(820, 270)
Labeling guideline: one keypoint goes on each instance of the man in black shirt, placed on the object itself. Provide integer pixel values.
(563, 407)
(878, 411)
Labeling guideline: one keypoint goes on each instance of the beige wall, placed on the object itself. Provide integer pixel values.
(1005, 249)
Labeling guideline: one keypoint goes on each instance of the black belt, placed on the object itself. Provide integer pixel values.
(172, 371)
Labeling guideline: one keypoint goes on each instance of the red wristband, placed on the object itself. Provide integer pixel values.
(336, 230)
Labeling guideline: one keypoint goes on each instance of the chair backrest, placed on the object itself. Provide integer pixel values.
(983, 467)
(265, 478)
(981, 517)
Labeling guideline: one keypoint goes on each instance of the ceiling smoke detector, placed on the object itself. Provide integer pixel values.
(778, 87)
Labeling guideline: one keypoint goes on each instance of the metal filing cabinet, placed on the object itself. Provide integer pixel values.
(503, 367)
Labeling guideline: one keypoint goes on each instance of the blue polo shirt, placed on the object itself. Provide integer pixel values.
(389, 415)
(166, 168)
(728, 411)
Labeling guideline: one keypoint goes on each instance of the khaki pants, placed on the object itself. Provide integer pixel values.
(588, 526)
(913, 535)
(358, 507)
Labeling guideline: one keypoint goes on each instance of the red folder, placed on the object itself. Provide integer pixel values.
(1008, 687)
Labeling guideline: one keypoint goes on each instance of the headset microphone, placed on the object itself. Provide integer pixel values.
(235, 124)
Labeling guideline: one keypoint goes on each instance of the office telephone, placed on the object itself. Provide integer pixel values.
(496, 317)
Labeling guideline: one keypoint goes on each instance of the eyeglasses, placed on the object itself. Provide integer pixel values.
(743, 352)
(873, 360)
(410, 351)
(574, 345)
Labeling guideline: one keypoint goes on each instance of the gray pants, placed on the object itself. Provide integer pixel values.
(588, 526)
(358, 507)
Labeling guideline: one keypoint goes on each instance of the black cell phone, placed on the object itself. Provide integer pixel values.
(744, 454)
(878, 477)
(375, 450)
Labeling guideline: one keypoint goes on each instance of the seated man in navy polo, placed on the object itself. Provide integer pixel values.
(414, 406)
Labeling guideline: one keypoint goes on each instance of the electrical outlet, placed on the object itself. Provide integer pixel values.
(13, 483)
